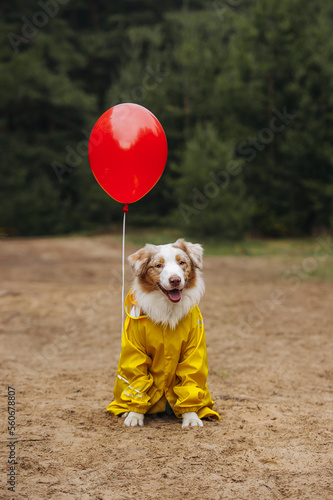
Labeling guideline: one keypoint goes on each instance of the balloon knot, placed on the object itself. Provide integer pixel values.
(125, 209)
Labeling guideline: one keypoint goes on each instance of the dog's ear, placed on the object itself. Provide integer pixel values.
(193, 250)
(139, 260)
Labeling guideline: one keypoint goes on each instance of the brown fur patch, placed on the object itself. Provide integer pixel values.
(140, 261)
(194, 251)
(149, 280)
(180, 243)
(188, 269)
(190, 276)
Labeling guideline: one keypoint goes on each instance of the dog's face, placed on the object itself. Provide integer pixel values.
(169, 269)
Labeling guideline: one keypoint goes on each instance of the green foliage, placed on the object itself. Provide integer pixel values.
(209, 187)
(243, 90)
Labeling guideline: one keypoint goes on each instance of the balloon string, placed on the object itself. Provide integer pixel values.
(125, 210)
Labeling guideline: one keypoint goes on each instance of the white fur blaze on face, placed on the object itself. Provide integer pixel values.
(172, 277)
(167, 280)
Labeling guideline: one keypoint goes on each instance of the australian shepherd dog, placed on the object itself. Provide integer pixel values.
(163, 362)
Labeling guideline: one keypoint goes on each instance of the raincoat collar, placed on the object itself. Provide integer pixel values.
(132, 309)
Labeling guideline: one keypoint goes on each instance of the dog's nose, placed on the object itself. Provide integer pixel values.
(174, 280)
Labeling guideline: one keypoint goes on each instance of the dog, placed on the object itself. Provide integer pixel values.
(163, 361)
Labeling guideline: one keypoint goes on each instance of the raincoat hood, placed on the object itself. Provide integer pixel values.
(132, 309)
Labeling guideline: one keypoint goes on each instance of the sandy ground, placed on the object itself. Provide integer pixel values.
(269, 339)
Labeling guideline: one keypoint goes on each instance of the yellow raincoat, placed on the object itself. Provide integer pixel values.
(158, 364)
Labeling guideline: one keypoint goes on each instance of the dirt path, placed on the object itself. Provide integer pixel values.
(269, 341)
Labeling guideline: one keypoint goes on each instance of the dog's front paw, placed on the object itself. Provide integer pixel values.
(133, 419)
(191, 419)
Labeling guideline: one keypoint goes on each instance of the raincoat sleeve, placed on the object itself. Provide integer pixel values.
(133, 378)
(192, 371)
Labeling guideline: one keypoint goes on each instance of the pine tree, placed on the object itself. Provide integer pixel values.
(232, 82)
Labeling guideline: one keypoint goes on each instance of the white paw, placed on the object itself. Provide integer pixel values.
(133, 419)
(191, 419)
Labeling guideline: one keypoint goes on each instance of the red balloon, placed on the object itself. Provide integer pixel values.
(127, 151)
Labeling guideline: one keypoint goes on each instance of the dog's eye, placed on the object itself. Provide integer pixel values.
(158, 265)
(181, 262)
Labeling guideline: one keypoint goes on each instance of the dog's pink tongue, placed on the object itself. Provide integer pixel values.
(175, 295)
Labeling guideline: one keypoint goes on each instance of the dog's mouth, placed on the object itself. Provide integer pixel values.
(174, 295)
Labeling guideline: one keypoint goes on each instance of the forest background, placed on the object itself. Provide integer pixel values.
(243, 90)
